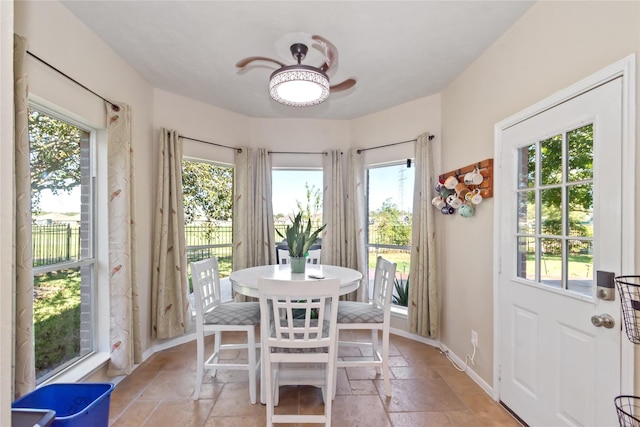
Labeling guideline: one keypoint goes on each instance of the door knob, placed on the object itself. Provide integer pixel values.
(603, 320)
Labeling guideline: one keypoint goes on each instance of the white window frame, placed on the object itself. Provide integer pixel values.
(85, 365)
(396, 310)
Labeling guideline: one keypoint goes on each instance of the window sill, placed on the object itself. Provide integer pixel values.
(398, 311)
(80, 370)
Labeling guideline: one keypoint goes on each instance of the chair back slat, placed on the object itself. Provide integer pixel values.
(205, 278)
(283, 256)
(383, 282)
(314, 256)
(300, 314)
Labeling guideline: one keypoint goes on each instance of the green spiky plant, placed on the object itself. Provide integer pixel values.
(403, 292)
(299, 236)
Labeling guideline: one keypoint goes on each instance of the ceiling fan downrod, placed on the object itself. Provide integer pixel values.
(299, 51)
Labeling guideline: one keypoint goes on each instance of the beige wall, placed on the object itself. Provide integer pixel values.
(552, 46)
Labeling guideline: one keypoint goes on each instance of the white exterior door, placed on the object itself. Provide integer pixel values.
(561, 222)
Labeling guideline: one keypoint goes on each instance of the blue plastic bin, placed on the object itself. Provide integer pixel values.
(75, 404)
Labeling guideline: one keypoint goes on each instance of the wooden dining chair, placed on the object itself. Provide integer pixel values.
(374, 316)
(298, 350)
(212, 316)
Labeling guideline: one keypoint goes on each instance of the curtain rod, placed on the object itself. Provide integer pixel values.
(114, 106)
(298, 152)
(360, 150)
(239, 150)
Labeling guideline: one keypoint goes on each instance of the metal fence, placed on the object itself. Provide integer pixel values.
(54, 243)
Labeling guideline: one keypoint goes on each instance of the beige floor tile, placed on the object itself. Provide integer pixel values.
(426, 390)
(419, 395)
(359, 411)
(135, 414)
(181, 413)
(233, 401)
(420, 419)
(170, 386)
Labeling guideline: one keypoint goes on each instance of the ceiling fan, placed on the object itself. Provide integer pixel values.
(301, 85)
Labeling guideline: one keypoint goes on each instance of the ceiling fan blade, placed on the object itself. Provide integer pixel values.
(347, 84)
(329, 50)
(246, 61)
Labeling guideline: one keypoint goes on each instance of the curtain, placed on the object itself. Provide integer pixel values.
(423, 291)
(253, 229)
(170, 314)
(124, 328)
(357, 256)
(24, 367)
(343, 212)
(334, 242)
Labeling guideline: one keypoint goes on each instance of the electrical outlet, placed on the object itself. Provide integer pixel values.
(474, 338)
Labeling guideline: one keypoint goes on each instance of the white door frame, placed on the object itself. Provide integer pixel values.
(626, 69)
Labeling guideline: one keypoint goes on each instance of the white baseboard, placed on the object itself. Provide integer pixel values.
(414, 337)
(472, 374)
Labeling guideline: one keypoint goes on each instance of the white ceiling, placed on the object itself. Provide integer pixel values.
(397, 50)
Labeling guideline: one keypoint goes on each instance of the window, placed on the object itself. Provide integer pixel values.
(63, 235)
(555, 211)
(296, 191)
(207, 190)
(390, 202)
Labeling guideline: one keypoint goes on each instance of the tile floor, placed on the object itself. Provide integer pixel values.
(426, 391)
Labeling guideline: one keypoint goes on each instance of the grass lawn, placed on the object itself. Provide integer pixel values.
(580, 266)
(56, 319)
(402, 259)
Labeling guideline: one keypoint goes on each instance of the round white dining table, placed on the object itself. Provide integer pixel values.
(245, 281)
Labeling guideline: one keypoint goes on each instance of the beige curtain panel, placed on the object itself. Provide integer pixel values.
(343, 212)
(170, 312)
(124, 330)
(253, 229)
(357, 256)
(24, 363)
(334, 241)
(423, 291)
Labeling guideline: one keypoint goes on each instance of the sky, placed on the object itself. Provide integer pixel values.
(289, 186)
(63, 202)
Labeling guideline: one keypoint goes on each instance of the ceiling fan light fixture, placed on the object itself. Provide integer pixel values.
(299, 86)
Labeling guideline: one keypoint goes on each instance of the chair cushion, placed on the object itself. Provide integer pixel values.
(234, 313)
(359, 312)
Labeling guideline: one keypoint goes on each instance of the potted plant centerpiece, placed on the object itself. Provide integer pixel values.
(299, 239)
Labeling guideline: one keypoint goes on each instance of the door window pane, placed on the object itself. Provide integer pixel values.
(551, 211)
(526, 267)
(580, 200)
(580, 158)
(526, 212)
(551, 264)
(580, 266)
(527, 166)
(551, 160)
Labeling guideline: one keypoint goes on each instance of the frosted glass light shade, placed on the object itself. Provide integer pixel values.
(299, 86)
